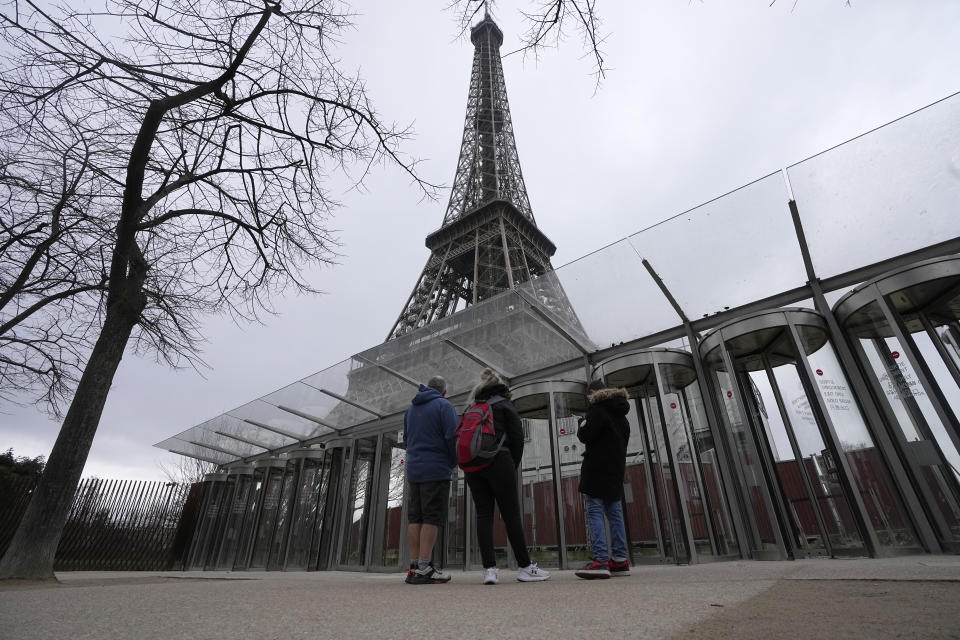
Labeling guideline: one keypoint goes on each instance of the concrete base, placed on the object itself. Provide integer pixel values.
(917, 597)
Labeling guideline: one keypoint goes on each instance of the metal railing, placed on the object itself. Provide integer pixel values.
(114, 525)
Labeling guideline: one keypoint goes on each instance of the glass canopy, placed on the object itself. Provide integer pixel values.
(864, 207)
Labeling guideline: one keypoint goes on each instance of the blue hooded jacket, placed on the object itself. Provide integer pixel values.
(428, 431)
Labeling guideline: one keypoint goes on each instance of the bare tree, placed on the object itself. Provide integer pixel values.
(51, 268)
(186, 470)
(174, 170)
(548, 23)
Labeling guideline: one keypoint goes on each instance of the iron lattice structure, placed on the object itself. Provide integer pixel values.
(489, 241)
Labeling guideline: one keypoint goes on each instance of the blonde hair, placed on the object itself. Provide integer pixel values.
(487, 378)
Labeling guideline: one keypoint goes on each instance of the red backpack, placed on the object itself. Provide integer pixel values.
(477, 441)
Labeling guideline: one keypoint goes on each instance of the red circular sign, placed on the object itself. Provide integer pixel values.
(819, 372)
(729, 394)
(673, 405)
(895, 355)
(563, 432)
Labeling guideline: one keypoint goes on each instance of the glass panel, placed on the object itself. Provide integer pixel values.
(249, 526)
(641, 518)
(898, 183)
(814, 466)
(278, 545)
(358, 503)
(456, 520)
(232, 434)
(358, 381)
(711, 494)
(537, 505)
(507, 334)
(664, 485)
(323, 548)
(391, 485)
(262, 412)
(311, 402)
(746, 236)
(614, 296)
(206, 538)
(744, 449)
(419, 361)
(184, 448)
(950, 335)
(882, 502)
(951, 395)
(915, 420)
(272, 493)
(241, 487)
(687, 472)
(569, 409)
(309, 504)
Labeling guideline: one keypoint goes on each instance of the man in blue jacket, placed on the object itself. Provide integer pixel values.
(428, 431)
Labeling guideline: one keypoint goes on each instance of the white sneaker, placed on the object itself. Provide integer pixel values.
(533, 573)
(491, 575)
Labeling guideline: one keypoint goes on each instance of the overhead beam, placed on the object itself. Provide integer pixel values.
(215, 448)
(535, 308)
(197, 457)
(307, 416)
(354, 403)
(243, 440)
(392, 372)
(285, 434)
(470, 354)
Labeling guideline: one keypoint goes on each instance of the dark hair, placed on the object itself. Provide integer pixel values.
(596, 385)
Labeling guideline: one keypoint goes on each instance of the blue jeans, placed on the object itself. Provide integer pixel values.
(596, 508)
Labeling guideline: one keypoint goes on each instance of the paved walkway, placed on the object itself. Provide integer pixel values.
(913, 597)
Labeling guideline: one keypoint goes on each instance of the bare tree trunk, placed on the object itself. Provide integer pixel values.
(31, 553)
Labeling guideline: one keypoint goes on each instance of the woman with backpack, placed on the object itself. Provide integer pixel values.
(498, 482)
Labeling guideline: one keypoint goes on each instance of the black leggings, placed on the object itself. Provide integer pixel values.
(498, 482)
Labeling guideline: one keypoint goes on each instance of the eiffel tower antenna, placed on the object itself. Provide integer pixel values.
(489, 240)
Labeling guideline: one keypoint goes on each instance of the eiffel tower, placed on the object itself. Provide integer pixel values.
(489, 241)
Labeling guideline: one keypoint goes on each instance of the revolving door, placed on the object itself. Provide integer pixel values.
(904, 328)
(675, 505)
(810, 479)
(553, 514)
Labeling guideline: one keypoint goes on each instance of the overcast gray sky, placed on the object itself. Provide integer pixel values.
(701, 98)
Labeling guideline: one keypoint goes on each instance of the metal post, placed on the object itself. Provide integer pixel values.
(798, 457)
(685, 524)
(776, 523)
(726, 465)
(867, 403)
(297, 491)
(687, 417)
(557, 482)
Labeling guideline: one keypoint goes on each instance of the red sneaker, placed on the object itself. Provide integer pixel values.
(593, 570)
(619, 569)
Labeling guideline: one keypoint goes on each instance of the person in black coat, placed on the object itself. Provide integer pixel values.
(605, 432)
(498, 483)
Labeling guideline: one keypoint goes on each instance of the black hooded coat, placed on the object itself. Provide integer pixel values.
(605, 432)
